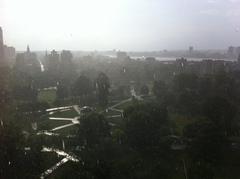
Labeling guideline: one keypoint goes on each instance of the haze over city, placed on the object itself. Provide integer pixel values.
(136, 25)
(119, 89)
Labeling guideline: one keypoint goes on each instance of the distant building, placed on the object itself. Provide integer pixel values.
(2, 57)
(7, 54)
(181, 64)
(206, 66)
(191, 49)
(233, 52)
(27, 62)
(66, 57)
(150, 59)
(230, 51)
(237, 51)
(53, 62)
(122, 55)
(10, 54)
(66, 64)
(219, 65)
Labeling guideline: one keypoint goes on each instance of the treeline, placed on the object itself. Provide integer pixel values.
(147, 145)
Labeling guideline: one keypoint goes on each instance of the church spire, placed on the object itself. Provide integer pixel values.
(28, 49)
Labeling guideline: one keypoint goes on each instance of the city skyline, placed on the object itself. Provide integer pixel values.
(126, 25)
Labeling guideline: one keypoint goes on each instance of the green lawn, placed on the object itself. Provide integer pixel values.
(72, 130)
(50, 124)
(47, 124)
(110, 113)
(179, 122)
(118, 121)
(124, 105)
(65, 114)
(68, 170)
(48, 96)
(49, 159)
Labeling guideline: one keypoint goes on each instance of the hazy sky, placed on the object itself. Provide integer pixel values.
(120, 24)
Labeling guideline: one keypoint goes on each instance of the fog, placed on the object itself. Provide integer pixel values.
(133, 25)
(113, 89)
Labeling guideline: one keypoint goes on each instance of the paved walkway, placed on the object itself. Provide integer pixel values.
(67, 158)
(62, 127)
(76, 107)
(58, 108)
(74, 121)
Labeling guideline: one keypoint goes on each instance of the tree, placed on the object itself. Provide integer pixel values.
(95, 140)
(188, 103)
(224, 86)
(160, 89)
(206, 148)
(62, 90)
(102, 86)
(206, 86)
(24, 87)
(221, 112)
(146, 125)
(185, 81)
(144, 90)
(146, 136)
(83, 88)
(67, 68)
(93, 130)
(11, 151)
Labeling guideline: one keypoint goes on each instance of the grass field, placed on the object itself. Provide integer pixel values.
(124, 105)
(50, 124)
(46, 124)
(48, 96)
(65, 114)
(72, 130)
(179, 122)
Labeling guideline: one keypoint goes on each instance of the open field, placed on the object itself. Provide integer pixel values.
(65, 114)
(72, 130)
(50, 124)
(179, 122)
(48, 96)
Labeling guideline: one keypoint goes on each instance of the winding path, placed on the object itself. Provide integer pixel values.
(68, 157)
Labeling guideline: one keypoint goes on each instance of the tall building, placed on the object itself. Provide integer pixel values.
(237, 51)
(27, 62)
(66, 61)
(191, 49)
(66, 57)
(10, 55)
(2, 58)
(7, 54)
(231, 50)
(122, 55)
(53, 62)
(66, 67)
